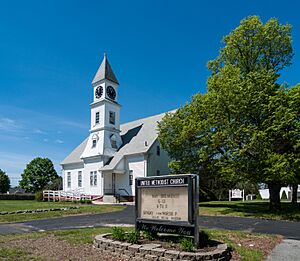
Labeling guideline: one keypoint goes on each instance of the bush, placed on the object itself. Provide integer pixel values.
(133, 237)
(39, 196)
(17, 196)
(284, 196)
(85, 201)
(258, 196)
(118, 233)
(187, 244)
(203, 238)
(150, 235)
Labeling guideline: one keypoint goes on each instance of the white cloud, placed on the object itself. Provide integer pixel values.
(59, 141)
(38, 131)
(9, 125)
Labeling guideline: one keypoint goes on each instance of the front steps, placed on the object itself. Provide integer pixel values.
(109, 199)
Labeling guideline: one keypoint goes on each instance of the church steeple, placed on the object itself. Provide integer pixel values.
(105, 72)
(104, 139)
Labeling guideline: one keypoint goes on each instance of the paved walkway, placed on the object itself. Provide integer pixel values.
(288, 250)
(290, 230)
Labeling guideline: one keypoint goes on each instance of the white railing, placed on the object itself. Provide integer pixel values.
(59, 195)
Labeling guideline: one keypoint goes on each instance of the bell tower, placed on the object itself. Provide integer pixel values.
(104, 139)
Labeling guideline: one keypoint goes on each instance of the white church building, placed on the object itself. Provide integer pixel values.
(107, 162)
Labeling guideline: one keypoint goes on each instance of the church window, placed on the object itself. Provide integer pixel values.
(79, 179)
(130, 177)
(113, 142)
(97, 117)
(158, 150)
(93, 178)
(69, 179)
(112, 117)
(95, 139)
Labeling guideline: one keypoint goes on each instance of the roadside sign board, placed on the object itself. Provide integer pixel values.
(168, 204)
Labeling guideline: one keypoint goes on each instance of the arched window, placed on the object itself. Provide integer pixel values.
(113, 141)
(95, 139)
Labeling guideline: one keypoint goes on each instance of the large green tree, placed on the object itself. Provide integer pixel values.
(246, 127)
(38, 174)
(4, 182)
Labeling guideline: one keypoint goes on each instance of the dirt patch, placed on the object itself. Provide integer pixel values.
(51, 248)
(262, 243)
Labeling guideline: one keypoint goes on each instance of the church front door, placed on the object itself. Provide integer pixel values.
(109, 184)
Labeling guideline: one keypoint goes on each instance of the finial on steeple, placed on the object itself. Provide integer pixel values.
(105, 72)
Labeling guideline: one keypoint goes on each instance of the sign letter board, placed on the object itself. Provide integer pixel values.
(168, 204)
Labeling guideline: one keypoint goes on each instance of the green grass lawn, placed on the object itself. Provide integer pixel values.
(258, 209)
(14, 205)
(246, 246)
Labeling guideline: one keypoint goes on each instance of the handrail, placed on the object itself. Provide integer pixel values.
(63, 195)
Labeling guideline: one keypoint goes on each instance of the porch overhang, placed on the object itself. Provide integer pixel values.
(113, 171)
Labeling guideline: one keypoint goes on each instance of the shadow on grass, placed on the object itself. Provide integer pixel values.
(252, 209)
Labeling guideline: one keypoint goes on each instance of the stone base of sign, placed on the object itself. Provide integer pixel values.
(155, 252)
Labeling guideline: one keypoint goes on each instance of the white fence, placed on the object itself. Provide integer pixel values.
(59, 195)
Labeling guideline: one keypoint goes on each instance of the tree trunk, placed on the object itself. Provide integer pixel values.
(274, 190)
(294, 193)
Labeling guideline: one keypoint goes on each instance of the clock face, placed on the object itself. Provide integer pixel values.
(111, 93)
(99, 92)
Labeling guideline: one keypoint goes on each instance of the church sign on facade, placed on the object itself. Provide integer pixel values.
(168, 204)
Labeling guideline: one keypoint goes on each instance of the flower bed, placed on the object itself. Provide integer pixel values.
(36, 210)
(155, 252)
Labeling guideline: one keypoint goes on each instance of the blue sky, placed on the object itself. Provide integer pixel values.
(50, 51)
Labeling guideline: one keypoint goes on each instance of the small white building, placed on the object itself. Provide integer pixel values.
(107, 162)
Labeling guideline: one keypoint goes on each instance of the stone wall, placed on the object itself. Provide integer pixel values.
(155, 252)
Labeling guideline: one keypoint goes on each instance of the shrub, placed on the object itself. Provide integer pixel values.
(284, 196)
(118, 233)
(258, 196)
(187, 244)
(17, 196)
(133, 237)
(150, 235)
(203, 238)
(39, 196)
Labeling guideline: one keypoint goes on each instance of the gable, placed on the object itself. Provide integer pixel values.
(137, 136)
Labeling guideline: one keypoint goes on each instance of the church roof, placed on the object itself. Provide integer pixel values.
(105, 72)
(74, 156)
(137, 136)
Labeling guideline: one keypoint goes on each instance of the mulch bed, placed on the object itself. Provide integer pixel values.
(52, 248)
